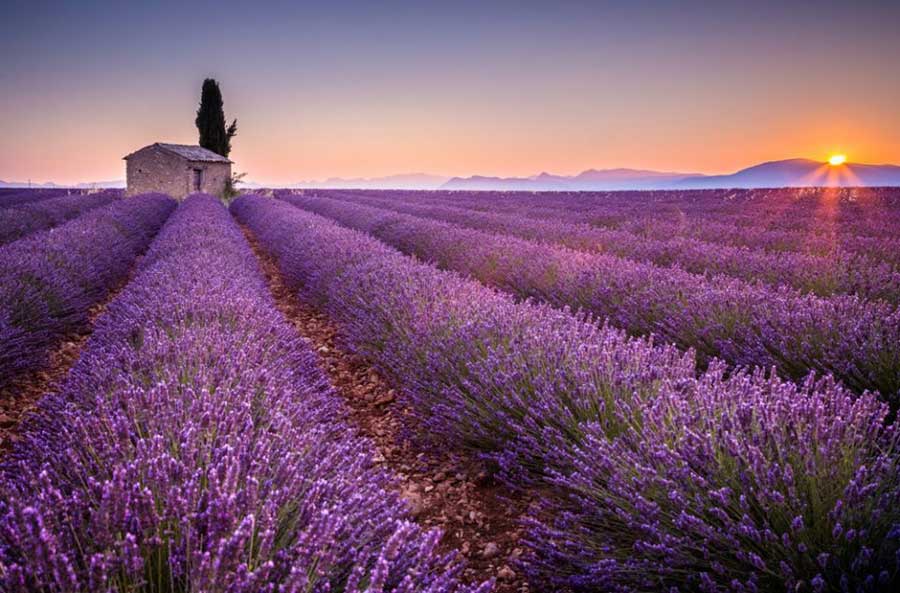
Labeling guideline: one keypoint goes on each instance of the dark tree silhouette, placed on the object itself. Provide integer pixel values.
(211, 120)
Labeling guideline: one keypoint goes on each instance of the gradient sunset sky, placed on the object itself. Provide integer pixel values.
(456, 88)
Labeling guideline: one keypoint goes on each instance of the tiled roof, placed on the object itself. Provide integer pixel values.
(189, 153)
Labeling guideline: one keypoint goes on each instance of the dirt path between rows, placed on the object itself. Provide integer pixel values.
(19, 397)
(479, 517)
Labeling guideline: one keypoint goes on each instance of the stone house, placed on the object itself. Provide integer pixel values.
(176, 170)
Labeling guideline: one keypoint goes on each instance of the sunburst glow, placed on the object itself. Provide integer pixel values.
(837, 159)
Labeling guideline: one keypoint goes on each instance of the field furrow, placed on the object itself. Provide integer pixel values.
(16, 197)
(478, 516)
(839, 273)
(20, 221)
(664, 216)
(18, 398)
(50, 280)
(646, 470)
(197, 446)
(856, 341)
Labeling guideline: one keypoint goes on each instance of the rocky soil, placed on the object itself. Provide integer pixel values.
(19, 397)
(479, 516)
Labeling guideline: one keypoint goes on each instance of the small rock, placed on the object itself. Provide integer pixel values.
(384, 399)
(506, 573)
(414, 502)
(490, 550)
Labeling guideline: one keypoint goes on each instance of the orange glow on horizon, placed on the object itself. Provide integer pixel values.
(425, 91)
(275, 151)
(837, 159)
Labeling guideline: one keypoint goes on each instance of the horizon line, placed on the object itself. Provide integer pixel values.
(686, 174)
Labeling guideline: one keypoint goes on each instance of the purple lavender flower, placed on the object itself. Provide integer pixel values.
(49, 280)
(196, 446)
(20, 220)
(745, 324)
(653, 477)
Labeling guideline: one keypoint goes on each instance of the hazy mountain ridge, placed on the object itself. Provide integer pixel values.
(399, 181)
(592, 179)
(800, 173)
(783, 173)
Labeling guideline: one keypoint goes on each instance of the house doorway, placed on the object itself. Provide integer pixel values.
(198, 179)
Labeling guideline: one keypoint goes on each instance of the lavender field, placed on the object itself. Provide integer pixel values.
(450, 391)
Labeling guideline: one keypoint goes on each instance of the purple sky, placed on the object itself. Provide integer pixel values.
(364, 88)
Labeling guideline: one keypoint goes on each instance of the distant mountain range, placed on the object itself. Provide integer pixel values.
(592, 179)
(786, 173)
(800, 173)
(403, 181)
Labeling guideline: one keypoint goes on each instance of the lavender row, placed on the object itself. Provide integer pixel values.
(885, 249)
(823, 236)
(17, 196)
(746, 325)
(50, 280)
(197, 446)
(861, 221)
(653, 479)
(838, 274)
(20, 221)
(871, 212)
(651, 216)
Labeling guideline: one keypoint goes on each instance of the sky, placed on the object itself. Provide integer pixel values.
(361, 89)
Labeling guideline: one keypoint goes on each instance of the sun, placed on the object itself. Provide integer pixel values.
(837, 159)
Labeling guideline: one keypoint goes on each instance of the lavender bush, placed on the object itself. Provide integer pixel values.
(817, 211)
(22, 220)
(196, 446)
(745, 324)
(884, 249)
(747, 489)
(831, 223)
(16, 196)
(481, 371)
(649, 478)
(839, 273)
(49, 280)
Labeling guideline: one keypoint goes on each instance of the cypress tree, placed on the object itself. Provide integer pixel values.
(211, 120)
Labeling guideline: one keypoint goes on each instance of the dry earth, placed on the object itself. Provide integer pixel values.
(18, 398)
(479, 516)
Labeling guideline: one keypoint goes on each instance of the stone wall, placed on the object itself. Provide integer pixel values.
(215, 175)
(155, 170)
